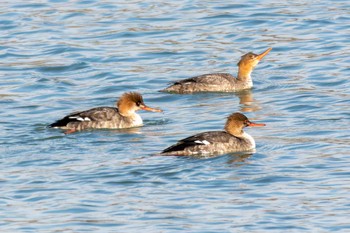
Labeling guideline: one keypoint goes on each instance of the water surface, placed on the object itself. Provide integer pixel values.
(62, 56)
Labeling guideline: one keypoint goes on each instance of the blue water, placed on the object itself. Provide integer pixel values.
(60, 56)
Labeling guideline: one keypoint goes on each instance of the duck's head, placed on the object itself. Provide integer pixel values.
(250, 60)
(130, 102)
(236, 122)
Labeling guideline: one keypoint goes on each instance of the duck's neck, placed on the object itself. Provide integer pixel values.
(137, 119)
(132, 117)
(244, 74)
(126, 113)
(249, 138)
(125, 109)
(246, 141)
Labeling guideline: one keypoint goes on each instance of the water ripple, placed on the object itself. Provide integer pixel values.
(58, 57)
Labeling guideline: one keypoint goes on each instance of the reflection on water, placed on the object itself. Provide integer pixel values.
(238, 159)
(135, 130)
(247, 102)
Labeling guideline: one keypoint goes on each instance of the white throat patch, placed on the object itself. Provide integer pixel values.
(249, 138)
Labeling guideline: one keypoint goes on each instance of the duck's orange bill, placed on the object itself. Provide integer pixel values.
(252, 124)
(146, 108)
(260, 56)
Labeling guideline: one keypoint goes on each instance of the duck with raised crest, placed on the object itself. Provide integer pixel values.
(220, 82)
(123, 116)
(232, 139)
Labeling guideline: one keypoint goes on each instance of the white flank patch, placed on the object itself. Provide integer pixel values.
(204, 142)
(87, 119)
(80, 118)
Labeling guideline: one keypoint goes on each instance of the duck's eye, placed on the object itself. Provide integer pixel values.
(251, 56)
(246, 123)
(138, 103)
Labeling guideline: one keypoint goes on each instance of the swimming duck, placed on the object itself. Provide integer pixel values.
(220, 82)
(122, 116)
(232, 139)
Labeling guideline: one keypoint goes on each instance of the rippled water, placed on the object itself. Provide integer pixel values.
(62, 56)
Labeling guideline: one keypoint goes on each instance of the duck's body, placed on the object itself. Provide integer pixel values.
(220, 82)
(124, 116)
(233, 139)
(212, 142)
(98, 118)
(217, 82)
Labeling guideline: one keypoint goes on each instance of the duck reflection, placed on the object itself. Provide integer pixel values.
(247, 101)
(239, 159)
(134, 130)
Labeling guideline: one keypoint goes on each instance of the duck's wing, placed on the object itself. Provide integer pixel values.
(213, 79)
(198, 140)
(94, 114)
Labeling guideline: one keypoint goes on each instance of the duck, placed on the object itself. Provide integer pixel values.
(122, 116)
(220, 82)
(231, 139)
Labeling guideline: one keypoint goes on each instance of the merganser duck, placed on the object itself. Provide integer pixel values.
(124, 116)
(232, 139)
(220, 82)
